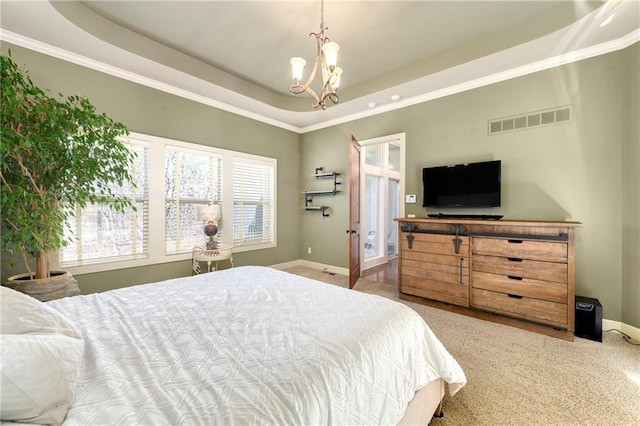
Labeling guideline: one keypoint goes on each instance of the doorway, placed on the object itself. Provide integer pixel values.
(382, 189)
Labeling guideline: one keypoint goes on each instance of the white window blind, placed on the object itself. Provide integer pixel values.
(99, 234)
(175, 180)
(253, 201)
(193, 179)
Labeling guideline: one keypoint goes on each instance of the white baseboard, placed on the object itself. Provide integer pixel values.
(286, 265)
(632, 331)
(314, 265)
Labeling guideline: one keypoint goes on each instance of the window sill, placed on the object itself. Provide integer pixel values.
(134, 263)
(124, 264)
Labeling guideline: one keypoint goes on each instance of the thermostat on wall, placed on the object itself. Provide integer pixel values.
(410, 199)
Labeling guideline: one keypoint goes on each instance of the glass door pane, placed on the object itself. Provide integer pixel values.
(393, 201)
(393, 162)
(372, 156)
(371, 216)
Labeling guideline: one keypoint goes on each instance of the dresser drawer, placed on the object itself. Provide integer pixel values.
(435, 244)
(537, 289)
(431, 258)
(524, 249)
(457, 269)
(521, 268)
(436, 272)
(448, 292)
(536, 310)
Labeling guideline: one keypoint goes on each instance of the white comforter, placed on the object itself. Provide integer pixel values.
(250, 345)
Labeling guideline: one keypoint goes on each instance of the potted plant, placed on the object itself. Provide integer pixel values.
(56, 153)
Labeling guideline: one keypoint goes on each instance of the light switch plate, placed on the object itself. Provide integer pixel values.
(410, 199)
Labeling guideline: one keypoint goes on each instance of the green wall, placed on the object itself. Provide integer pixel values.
(153, 112)
(570, 171)
(631, 196)
(586, 170)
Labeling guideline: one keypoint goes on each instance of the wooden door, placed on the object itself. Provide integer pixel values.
(354, 211)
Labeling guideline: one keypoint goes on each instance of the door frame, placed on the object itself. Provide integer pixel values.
(399, 138)
(353, 229)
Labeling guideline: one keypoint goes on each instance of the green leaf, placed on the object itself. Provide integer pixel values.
(56, 154)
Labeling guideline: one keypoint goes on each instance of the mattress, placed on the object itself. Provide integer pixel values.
(249, 345)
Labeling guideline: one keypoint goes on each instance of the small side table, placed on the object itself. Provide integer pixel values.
(223, 252)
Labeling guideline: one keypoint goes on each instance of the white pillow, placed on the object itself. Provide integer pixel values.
(41, 356)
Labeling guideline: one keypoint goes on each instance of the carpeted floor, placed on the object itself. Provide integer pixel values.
(517, 377)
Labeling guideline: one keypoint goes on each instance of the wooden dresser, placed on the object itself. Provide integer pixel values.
(519, 273)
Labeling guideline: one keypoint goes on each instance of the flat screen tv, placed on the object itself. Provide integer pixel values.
(462, 185)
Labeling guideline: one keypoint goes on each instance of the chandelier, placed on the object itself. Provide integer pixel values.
(326, 58)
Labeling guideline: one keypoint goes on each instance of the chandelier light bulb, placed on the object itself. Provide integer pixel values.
(330, 51)
(297, 66)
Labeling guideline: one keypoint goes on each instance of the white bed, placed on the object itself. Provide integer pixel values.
(248, 345)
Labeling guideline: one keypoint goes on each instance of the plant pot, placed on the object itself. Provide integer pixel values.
(60, 284)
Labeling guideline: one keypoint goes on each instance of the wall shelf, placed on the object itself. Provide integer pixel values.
(321, 208)
(308, 195)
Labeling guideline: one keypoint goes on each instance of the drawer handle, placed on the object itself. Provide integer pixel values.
(514, 259)
(410, 240)
(515, 241)
(514, 296)
(512, 277)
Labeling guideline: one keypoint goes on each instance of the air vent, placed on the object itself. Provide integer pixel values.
(532, 119)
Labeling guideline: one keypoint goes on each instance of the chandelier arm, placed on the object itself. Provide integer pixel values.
(300, 88)
(327, 87)
(328, 92)
(297, 89)
(310, 91)
(332, 96)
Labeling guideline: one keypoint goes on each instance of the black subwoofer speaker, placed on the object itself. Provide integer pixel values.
(588, 318)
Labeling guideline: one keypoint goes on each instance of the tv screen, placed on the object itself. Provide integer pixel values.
(462, 185)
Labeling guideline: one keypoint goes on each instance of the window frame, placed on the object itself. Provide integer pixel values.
(156, 216)
(245, 159)
(139, 195)
(182, 200)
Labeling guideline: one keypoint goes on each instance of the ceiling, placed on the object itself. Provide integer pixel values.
(235, 55)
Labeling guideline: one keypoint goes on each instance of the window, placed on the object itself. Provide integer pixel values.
(98, 233)
(175, 181)
(253, 201)
(192, 181)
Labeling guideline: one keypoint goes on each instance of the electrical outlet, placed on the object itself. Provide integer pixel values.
(308, 250)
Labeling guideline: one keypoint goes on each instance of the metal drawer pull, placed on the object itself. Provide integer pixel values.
(514, 296)
(461, 260)
(515, 241)
(457, 241)
(514, 259)
(410, 238)
(512, 277)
